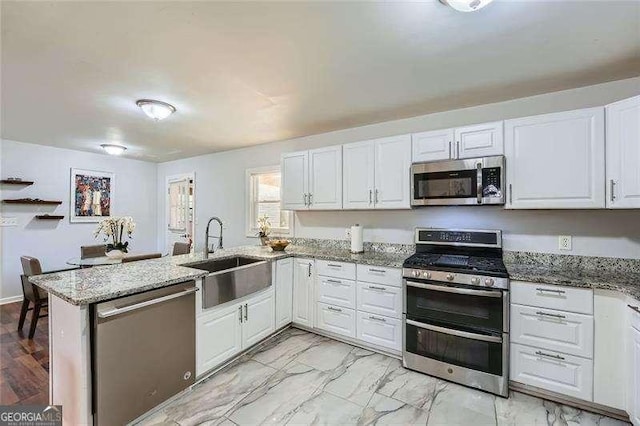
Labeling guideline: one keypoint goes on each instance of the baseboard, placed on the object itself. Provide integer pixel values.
(11, 299)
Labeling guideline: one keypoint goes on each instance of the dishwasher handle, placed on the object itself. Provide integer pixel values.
(136, 306)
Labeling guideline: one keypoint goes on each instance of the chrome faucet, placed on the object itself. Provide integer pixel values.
(207, 237)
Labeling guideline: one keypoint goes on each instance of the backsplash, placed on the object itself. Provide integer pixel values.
(559, 261)
(331, 244)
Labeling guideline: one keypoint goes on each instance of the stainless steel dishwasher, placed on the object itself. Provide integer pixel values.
(143, 351)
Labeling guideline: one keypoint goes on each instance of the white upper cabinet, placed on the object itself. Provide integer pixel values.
(312, 179)
(392, 172)
(623, 154)
(555, 161)
(480, 140)
(325, 178)
(432, 146)
(358, 175)
(295, 180)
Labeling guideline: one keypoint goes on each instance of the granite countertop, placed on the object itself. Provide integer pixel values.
(100, 283)
(622, 275)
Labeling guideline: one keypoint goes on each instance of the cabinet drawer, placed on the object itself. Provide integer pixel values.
(336, 269)
(335, 291)
(380, 299)
(380, 275)
(336, 319)
(380, 331)
(555, 330)
(566, 374)
(550, 296)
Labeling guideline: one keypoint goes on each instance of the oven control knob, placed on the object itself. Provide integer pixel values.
(416, 273)
(489, 282)
(426, 275)
(475, 280)
(450, 277)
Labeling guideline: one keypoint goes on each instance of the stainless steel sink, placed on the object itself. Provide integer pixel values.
(232, 278)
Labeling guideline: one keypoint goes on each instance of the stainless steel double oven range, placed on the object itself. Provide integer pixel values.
(456, 308)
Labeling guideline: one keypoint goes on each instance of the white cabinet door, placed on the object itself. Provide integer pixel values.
(295, 180)
(303, 299)
(336, 319)
(432, 146)
(392, 172)
(566, 374)
(284, 292)
(336, 291)
(634, 415)
(259, 318)
(623, 154)
(479, 140)
(556, 161)
(380, 299)
(219, 337)
(325, 178)
(380, 331)
(358, 175)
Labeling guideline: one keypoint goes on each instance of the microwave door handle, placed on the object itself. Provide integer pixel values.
(456, 290)
(458, 333)
(479, 183)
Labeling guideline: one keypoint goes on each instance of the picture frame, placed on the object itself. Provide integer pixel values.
(91, 195)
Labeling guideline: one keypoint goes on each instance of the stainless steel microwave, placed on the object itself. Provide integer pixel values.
(472, 181)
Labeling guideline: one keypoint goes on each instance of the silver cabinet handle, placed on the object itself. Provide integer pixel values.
(635, 308)
(309, 268)
(246, 312)
(458, 333)
(136, 306)
(377, 318)
(310, 198)
(613, 190)
(374, 287)
(510, 194)
(331, 308)
(304, 197)
(376, 197)
(544, 314)
(540, 353)
(479, 183)
(240, 318)
(457, 149)
(550, 290)
(450, 154)
(334, 281)
(456, 290)
(379, 271)
(334, 265)
(370, 196)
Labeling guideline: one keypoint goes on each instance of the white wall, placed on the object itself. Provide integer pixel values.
(53, 242)
(220, 187)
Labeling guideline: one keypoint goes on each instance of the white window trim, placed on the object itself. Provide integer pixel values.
(251, 231)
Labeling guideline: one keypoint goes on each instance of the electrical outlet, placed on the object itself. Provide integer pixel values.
(9, 221)
(564, 242)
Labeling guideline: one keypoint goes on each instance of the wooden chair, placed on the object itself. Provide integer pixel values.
(92, 251)
(181, 248)
(127, 259)
(32, 294)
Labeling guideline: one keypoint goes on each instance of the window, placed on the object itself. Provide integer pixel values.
(263, 189)
(180, 204)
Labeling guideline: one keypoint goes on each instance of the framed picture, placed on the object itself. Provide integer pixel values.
(91, 195)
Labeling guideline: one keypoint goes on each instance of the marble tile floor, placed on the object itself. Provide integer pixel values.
(300, 378)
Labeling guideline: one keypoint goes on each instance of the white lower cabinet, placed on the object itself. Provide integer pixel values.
(336, 291)
(380, 299)
(634, 413)
(379, 330)
(259, 319)
(303, 294)
(284, 291)
(558, 372)
(561, 331)
(336, 319)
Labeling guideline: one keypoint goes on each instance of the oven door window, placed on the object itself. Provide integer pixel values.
(453, 184)
(466, 310)
(465, 352)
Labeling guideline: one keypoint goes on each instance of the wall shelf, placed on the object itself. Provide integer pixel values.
(49, 217)
(31, 201)
(16, 182)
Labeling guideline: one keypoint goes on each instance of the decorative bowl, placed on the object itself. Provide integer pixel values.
(278, 245)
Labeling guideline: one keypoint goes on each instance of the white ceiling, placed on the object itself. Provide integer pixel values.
(246, 73)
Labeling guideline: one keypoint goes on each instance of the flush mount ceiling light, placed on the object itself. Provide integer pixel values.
(466, 5)
(113, 149)
(157, 110)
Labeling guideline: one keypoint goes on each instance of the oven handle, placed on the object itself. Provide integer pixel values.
(458, 333)
(446, 289)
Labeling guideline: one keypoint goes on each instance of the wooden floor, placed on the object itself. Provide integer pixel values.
(24, 363)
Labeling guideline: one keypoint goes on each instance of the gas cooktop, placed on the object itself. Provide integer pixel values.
(473, 264)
